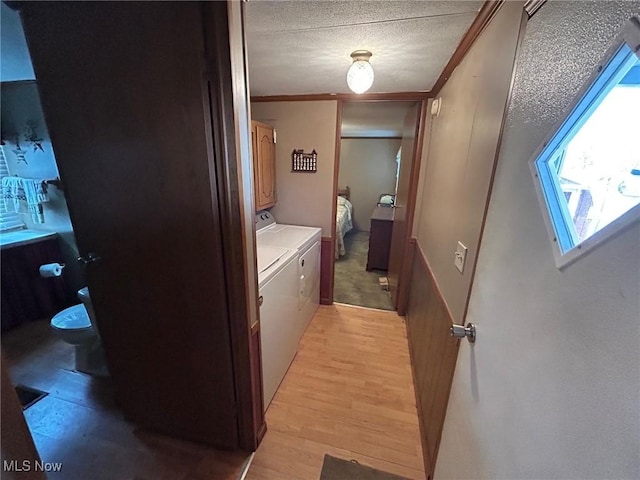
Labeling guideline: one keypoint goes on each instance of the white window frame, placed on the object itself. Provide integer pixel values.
(562, 132)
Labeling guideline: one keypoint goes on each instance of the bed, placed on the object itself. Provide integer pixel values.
(344, 219)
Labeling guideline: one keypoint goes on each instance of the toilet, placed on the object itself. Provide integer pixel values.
(76, 325)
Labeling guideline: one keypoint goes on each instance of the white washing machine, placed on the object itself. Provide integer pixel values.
(289, 285)
(278, 287)
(306, 240)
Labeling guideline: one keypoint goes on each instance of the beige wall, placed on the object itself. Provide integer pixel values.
(303, 198)
(15, 62)
(461, 153)
(368, 166)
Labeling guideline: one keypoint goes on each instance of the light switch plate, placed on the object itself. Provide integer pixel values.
(460, 257)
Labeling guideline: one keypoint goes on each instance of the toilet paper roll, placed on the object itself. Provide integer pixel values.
(51, 270)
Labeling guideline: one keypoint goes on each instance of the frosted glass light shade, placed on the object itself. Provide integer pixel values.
(360, 76)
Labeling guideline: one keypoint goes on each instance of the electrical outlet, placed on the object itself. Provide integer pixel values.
(460, 257)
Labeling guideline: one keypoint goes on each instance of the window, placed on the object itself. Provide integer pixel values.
(9, 220)
(588, 170)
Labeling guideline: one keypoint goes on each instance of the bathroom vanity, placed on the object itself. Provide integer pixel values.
(26, 296)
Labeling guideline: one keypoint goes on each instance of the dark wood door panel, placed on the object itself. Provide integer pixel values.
(122, 88)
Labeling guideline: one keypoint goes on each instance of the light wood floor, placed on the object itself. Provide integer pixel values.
(348, 393)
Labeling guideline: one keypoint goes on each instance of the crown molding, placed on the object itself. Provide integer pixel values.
(485, 15)
(345, 97)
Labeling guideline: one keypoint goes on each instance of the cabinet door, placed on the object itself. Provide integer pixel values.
(264, 166)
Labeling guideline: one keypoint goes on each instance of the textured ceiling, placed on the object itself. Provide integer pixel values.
(303, 47)
(374, 119)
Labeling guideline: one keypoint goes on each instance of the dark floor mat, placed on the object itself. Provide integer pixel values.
(338, 469)
(28, 396)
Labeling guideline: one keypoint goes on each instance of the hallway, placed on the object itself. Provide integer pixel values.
(348, 393)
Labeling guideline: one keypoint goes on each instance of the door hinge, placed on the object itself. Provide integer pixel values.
(275, 136)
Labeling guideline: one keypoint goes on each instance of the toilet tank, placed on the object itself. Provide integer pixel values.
(85, 298)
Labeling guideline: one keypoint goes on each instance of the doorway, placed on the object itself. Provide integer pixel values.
(35, 231)
(64, 365)
(370, 160)
(150, 208)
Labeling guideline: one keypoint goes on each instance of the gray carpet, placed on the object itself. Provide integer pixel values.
(337, 469)
(352, 283)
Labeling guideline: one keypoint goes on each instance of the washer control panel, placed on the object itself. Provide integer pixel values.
(264, 218)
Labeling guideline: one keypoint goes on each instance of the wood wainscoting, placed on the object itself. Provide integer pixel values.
(326, 270)
(433, 354)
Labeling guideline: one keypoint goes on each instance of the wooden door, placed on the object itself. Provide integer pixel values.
(264, 166)
(405, 199)
(123, 87)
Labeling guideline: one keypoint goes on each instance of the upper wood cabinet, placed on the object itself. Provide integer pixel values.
(264, 165)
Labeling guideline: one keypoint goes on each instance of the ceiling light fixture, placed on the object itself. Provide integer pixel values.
(360, 74)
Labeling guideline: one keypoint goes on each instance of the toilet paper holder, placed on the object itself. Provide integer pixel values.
(51, 270)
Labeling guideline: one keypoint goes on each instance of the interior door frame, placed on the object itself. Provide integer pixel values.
(423, 98)
(227, 113)
(404, 273)
(334, 207)
(230, 122)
